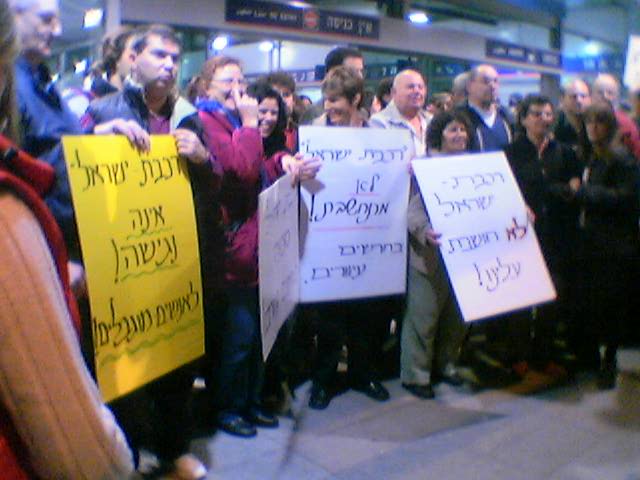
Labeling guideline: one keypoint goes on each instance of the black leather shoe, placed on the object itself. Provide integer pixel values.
(421, 391)
(260, 418)
(373, 389)
(319, 398)
(236, 425)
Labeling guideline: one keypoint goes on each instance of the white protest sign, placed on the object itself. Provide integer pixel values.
(491, 252)
(632, 67)
(353, 215)
(278, 258)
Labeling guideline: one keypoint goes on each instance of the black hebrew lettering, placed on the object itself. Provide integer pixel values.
(327, 154)
(477, 180)
(146, 219)
(102, 173)
(482, 202)
(159, 169)
(125, 328)
(467, 243)
(367, 186)
(382, 155)
(370, 248)
(341, 271)
(493, 275)
(516, 231)
(144, 256)
(362, 210)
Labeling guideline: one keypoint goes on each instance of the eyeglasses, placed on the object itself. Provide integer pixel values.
(229, 81)
(540, 113)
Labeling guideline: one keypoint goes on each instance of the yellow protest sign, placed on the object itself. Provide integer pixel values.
(139, 244)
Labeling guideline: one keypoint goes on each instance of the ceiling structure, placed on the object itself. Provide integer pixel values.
(519, 21)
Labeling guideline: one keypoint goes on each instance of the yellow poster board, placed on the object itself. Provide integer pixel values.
(139, 244)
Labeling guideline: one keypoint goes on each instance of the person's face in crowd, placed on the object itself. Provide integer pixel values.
(339, 110)
(409, 92)
(125, 62)
(306, 102)
(597, 132)
(157, 65)
(454, 137)
(267, 116)
(225, 80)
(37, 27)
(483, 89)
(606, 89)
(356, 64)
(538, 120)
(287, 96)
(576, 98)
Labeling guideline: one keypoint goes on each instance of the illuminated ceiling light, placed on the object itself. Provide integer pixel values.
(299, 4)
(92, 18)
(419, 17)
(592, 49)
(220, 42)
(265, 46)
(81, 66)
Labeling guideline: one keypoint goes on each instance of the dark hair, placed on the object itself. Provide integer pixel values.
(337, 56)
(276, 141)
(440, 122)
(214, 63)
(113, 45)
(602, 112)
(383, 89)
(343, 82)
(525, 105)
(163, 31)
(282, 79)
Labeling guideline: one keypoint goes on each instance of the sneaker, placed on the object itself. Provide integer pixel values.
(424, 392)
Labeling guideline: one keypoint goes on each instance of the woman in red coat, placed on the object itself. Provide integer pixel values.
(235, 124)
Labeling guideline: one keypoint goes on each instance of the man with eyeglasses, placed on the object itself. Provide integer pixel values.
(491, 124)
(569, 126)
(44, 116)
(147, 105)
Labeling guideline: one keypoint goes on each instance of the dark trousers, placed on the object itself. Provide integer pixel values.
(158, 415)
(238, 377)
(356, 324)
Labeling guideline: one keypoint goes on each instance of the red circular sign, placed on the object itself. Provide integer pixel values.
(311, 19)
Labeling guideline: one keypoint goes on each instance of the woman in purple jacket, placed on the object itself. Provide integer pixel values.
(236, 126)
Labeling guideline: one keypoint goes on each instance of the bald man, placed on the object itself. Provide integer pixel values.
(406, 109)
(569, 127)
(491, 124)
(606, 88)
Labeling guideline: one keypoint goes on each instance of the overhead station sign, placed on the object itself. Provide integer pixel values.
(303, 19)
(518, 53)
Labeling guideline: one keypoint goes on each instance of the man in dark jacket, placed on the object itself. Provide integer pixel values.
(147, 105)
(491, 124)
(44, 116)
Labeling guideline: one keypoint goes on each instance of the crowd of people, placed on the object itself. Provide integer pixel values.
(576, 165)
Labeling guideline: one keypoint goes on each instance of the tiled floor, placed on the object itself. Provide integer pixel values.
(573, 432)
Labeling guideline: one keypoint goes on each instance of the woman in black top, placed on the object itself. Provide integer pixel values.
(548, 174)
(609, 201)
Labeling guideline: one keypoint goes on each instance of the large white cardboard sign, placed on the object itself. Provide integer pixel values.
(490, 250)
(632, 66)
(278, 258)
(353, 215)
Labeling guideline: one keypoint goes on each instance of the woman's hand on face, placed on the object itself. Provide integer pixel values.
(247, 108)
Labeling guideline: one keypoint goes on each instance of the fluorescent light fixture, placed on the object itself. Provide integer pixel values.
(418, 17)
(81, 66)
(592, 49)
(92, 18)
(299, 4)
(265, 46)
(220, 42)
